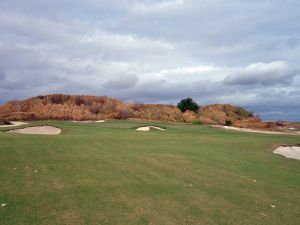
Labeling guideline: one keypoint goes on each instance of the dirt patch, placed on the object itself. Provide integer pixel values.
(37, 130)
(14, 124)
(291, 152)
(254, 131)
(148, 128)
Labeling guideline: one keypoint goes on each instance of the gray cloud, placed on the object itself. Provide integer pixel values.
(155, 51)
(263, 74)
(2, 76)
(129, 81)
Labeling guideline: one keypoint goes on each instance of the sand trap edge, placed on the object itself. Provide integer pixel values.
(253, 130)
(290, 152)
(148, 128)
(37, 130)
(88, 121)
(13, 124)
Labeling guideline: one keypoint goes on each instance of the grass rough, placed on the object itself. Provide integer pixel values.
(108, 174)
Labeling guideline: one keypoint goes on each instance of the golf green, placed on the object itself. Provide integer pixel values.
(108, 173)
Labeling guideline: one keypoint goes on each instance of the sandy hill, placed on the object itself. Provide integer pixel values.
(77, 107)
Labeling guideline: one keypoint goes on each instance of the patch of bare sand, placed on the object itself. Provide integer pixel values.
(253, 130)
(14, 124)
(37, 130)
(143, 129)
(88, 121)
(148, 128)
(100, 121)
(291, 152)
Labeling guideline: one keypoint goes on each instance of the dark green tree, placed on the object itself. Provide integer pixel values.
(187, 104)
(228, 122)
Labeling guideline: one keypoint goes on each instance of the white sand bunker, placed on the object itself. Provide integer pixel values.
(148, 128)
(88, 121)
(37, 130)
(250, 130)
(13, 124)
(291, 152)
(100, 121)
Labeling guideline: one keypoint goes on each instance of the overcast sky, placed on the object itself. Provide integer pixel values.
(217, 51)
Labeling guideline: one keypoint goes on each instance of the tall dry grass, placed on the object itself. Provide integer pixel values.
(78, 107)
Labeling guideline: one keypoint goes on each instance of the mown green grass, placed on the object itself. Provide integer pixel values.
(110, 174)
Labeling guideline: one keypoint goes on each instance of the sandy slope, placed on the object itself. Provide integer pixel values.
(37, 130)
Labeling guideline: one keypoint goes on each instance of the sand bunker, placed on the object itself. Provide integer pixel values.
(143, 129)
(37, 130)
(291, 152)
(14, 124)
(100, 121)
(251, 130)
(148, 128)
(88, 121)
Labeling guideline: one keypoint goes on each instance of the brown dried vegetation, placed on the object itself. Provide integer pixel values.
(77, 107)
